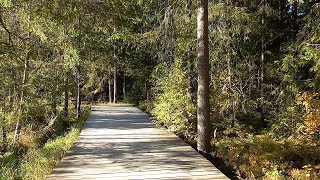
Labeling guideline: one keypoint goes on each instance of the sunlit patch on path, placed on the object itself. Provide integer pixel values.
(122, 143)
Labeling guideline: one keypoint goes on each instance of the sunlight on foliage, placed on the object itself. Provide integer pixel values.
(173, 108)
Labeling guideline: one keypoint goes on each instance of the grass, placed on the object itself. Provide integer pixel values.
(39, 161)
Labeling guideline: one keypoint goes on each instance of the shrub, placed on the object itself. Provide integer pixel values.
(262, 156)
(173, 107)
(38, 160)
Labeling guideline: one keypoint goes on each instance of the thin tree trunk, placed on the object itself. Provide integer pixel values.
(115, 87)
(78, 110)
(17, 128)
(280, 9)
(54, 105)
(263, 47)
(294, 10)
(5, 140)
(146, 87)
(203, 109)
(294, 23)
(110, 89)
(262, 62)
(4, 133)
(124, 87)
(66, 97)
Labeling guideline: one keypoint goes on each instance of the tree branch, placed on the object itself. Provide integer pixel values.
(7, 30)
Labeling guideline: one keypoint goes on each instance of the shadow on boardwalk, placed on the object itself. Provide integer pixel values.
(122, 143)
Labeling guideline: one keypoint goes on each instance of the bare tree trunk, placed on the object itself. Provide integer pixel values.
(294, 10)
(54, 104)
(203, 110)
(124, 86)
(147, 95)
(66, 96)
(115, 73)
(110, 89)
(17, 128)
(115, 87)
(294, 23)
(280, 9)
(4, 133)
(78, 110)
(262, 61)
(263, 47)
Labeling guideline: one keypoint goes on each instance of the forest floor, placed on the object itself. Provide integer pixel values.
(122, 143)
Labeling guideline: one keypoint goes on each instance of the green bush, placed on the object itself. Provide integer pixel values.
(262, 156)
(39, 160)
(134, 95)
(173, 107)
(146, 107)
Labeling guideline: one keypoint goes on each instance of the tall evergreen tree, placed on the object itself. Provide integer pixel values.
(203, 110)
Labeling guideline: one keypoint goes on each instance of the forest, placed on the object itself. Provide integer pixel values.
(254, 104)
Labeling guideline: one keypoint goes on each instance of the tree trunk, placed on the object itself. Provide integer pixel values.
(4, 133)
(4, 139)
(263, 47)
(294, 23)
(54, 105)
(124, 87)
(146, 87)
(17, 128)
(280, 9)
(110, 89)
(78, 110)
(294, 10)
(115, 87)
(262, 62)
(66, 97)
(203, 106)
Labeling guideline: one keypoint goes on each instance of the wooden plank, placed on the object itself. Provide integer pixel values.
(122, 143)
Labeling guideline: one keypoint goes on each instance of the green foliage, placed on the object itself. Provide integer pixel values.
(234, 60)
(135, 94)
(288, 121)
(4, 3)
(146, 107)
(173, 107)
(39, 162)
(39, 159)
(265, 67)
(264, 157)
(8, 163)
(301, 64)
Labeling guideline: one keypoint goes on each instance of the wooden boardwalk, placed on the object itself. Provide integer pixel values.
(122, 143)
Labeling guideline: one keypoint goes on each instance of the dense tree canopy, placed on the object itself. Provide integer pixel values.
(264, 74)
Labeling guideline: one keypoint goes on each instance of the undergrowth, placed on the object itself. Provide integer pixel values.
(39, 160)
(264, 157)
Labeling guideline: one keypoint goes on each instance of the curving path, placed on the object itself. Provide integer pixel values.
(122, 143)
